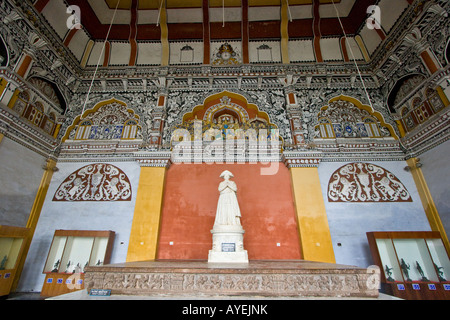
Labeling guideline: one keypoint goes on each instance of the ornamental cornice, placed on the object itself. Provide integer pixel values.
(155, 163)
(334, 75)
(21, 131)
(302, 159)
(428, 135)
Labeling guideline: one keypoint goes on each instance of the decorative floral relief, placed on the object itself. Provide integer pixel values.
(95, 182)
(365, 182)
(226, 55)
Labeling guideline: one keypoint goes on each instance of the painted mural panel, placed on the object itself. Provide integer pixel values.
(95, 182)
(366, 182)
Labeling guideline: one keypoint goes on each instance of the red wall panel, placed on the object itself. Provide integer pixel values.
(189, 208)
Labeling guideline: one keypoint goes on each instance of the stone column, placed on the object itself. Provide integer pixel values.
(422, 48)
(159, 113)
(29, 55)
(294, 110)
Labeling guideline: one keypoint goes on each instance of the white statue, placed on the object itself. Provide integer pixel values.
(228, 234)
(228, 212)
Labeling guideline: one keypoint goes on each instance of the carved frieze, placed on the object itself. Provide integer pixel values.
(95, 182)
(203, 283)
(366, 182)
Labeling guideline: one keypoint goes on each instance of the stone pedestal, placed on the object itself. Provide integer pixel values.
(228, 245)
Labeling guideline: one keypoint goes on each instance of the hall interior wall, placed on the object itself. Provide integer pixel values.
(21, 172)
(435, 170)
(266, 204)
(349, 222)
(116, 216)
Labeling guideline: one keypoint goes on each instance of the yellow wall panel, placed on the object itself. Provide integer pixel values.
(147, 215)
(313, 225)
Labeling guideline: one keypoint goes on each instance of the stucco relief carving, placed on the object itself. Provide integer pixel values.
(284, 284)
(95, 182)
(366, 182)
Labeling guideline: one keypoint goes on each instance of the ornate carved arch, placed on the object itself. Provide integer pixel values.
(109, 112)
(234, 102)
(349, 116)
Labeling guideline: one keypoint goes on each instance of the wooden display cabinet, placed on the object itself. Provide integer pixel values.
(12, 244)
(71, 251)
(415, 265)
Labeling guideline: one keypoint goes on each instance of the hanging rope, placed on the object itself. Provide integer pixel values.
(402, 146)
(289, 10)
(159, 13)
(99, 59)
(223, 13)
(353, 55)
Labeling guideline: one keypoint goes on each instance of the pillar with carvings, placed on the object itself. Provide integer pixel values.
(29, 54)
(423, 50)
(159, 113)
(294, 111)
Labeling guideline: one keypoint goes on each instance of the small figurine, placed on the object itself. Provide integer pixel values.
(440, 272)
(86, 265)
(99, 263)
(56, 266)
(67, 267)
(405, 268)
(422, 274)
(77, 268)
(3, 263)
(389, 273)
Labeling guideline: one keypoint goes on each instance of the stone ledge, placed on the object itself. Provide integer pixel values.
(264, 278)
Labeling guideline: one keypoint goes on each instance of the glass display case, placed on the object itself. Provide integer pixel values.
(12, 243)
(70, 253)
(412, 261)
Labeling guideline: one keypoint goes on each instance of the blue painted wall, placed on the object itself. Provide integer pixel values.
(349, 222)
(114, 216)
(436, 170)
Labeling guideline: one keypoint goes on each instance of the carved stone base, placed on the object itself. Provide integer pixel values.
(228, 257)
(228, 245)
(263, 278)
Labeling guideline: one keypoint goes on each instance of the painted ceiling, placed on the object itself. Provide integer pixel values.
(187, 19)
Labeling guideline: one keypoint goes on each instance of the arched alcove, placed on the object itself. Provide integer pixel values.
(401, 89)
(4, 55)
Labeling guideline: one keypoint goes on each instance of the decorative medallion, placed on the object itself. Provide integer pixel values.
(95, 182)
(366, 182)
(225, 55)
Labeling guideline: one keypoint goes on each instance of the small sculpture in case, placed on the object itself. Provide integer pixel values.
(56, 266)
(389, 273)
(440, 273)
(422, 274)
(405, 268)
(3, 263)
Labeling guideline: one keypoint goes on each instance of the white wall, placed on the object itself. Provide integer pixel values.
(114, 216)
(349, 222)
(21, 174)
